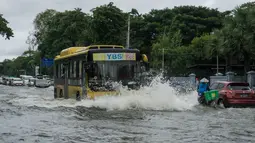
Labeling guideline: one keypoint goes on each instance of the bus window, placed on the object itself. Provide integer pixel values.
(80, 67)
(74, 69)
(62, 71)
(56, 70)
(68, 70)
(95, 70)
(59, 70)
(126, 72)
(77, 69)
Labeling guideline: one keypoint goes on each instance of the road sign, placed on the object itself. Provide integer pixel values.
(47, 62)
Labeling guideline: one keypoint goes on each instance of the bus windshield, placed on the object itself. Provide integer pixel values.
(124, 71)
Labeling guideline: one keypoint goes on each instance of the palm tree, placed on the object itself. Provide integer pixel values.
(240, 35)
(236, 38)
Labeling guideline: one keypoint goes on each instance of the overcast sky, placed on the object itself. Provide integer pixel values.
(20, 14)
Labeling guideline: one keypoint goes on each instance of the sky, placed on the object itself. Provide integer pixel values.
(21, 13)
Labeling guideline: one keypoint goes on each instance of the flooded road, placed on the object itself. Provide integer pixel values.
(155, 114)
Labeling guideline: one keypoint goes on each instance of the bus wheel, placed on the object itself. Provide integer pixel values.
(61, 93)
(78, 96)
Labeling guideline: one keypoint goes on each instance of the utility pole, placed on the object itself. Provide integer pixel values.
(217, 57)
(163, 52)
(217, 64)
(163, 58)
(40, 68)
(128, 32)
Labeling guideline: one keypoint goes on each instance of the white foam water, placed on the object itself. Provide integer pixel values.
(158, 96)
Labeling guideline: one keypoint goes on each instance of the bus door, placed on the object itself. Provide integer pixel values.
(85, 67)
(66, 80)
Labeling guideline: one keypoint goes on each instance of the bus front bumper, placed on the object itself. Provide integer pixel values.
(95, 94)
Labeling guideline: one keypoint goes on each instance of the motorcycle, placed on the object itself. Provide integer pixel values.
(202, 101)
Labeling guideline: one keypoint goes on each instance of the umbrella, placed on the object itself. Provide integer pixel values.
(204, 80)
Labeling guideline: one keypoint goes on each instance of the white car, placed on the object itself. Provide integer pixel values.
(25, 78)
(7, 80)
(31, 82)
(42, 83)
(17, 82)
(1, 80)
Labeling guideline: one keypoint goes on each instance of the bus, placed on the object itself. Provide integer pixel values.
(88, 72)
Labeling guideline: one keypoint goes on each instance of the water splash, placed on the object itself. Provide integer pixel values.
(157, 96)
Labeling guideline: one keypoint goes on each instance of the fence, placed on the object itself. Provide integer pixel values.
(217, 78)
(190, 81)
(240, 79)
(230, 76)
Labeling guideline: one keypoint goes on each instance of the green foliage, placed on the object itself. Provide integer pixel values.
(108, 24)
(195, 21)
(59, 30)
(5, 31)
(42, 25)
(175, 55)
(26, 62)
(200, 47)
(188, 34)
(241, 39)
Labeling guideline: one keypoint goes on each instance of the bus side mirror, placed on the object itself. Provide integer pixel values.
(144, 58)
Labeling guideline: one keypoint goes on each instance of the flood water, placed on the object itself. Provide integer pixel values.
(153, 114)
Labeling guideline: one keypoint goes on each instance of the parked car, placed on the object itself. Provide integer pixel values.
(42, 83)
(51, 82)
(17, 82)
(39, 76)
(7, 80)
(25, 78)
(234, 94)
(1, 80)
(31, 82)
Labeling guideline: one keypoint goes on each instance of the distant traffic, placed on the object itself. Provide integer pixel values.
(40, 81)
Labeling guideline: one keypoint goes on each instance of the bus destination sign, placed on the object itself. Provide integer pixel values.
(114, 57)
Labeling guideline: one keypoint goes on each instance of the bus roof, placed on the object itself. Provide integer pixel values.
(72, 51)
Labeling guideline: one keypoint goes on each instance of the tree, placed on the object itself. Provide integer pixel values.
(195, 21)
(175, 55)
(7, 67)
(26, 62)
(108, 25)
(190, 20)
(5, 31)
(137, 31)
(56, 31)
(184, 32)
(238, 34)
(202, 49)
(42, 25)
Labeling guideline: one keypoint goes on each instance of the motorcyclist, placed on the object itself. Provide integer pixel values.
(201, 89)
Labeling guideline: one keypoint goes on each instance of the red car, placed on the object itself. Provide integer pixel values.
(234, 94)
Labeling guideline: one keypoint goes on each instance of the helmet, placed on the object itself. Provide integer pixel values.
(204, 80)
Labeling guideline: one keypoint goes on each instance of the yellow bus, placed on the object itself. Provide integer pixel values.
(87, 72)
